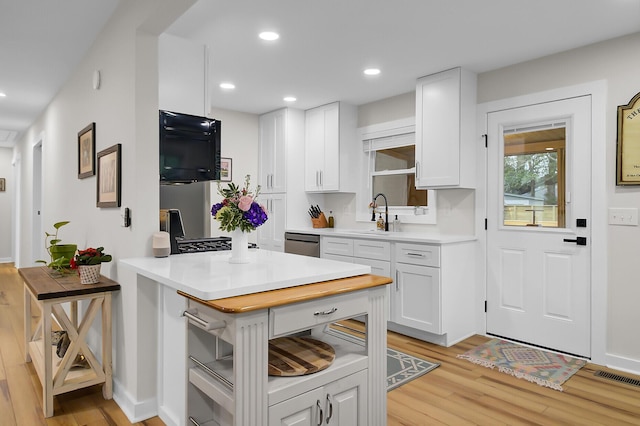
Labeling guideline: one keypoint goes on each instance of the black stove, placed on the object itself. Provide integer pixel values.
(198, 245)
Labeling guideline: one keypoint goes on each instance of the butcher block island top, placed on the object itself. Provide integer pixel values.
(285, 296)
(210, 276)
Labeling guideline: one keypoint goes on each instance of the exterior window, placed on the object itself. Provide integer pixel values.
(534, 178)
(392, 172)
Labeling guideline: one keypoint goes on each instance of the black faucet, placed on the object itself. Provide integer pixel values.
(386, 211)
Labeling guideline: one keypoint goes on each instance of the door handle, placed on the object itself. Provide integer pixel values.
(581, 241)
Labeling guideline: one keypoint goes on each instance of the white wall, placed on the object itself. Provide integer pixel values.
(125, 110)
(6, 205)
(614, 62)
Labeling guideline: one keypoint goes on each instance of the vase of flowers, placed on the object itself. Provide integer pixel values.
(88, 263)
(239, 214)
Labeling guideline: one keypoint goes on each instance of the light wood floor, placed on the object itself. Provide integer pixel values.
(456, 393)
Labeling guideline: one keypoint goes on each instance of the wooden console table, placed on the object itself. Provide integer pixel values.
(50, 291)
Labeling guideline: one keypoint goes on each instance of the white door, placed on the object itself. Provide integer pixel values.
(538, 225)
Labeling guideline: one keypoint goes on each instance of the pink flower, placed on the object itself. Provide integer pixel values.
(244, 203)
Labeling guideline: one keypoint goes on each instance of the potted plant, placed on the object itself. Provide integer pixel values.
(88, 262)
(60, 254)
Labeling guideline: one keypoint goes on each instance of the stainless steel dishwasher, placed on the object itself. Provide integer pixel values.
(304, 244)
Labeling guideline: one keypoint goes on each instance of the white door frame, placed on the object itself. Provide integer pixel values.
(597, 90)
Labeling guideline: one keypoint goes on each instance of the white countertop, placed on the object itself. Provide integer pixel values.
(210, 276)
(404, 237)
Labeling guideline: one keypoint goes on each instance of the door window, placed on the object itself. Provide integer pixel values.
(534, 176)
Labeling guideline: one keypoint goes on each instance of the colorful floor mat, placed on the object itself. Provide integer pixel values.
(537, 366)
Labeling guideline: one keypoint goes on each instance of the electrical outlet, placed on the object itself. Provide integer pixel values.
(623, 216)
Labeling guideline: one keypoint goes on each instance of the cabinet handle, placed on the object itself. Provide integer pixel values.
(329, 408)
(397, 285)
(327, 312)
(417, 171)
(193, 421)
(214, 325)
(415, 254)
(320, 177)
(320, 411)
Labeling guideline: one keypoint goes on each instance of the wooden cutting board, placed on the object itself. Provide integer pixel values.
(297, 356)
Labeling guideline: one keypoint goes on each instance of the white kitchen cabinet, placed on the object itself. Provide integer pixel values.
(342, 402)
(331, 148)
(271, 234)
(432, 297)
(446, 142)
(415, 298)
(272, 170)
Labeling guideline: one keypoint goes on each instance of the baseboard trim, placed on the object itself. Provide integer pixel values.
(622, 363)
(134, 410)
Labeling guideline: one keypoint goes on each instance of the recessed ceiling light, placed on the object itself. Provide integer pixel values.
(289, 99)
(3, 95)
(269, 35)
(227, 86)
(372, 71)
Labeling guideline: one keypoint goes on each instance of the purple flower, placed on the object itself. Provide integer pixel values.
(256, 216)
(215, 208)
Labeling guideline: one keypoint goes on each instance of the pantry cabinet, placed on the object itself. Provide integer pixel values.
(446, 142)
(271, 234)
(272, 173)
(330, 148)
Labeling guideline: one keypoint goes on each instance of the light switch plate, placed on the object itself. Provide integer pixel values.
(623, 216)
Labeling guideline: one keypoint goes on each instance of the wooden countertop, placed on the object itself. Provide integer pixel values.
(285, 296)
(46, 284)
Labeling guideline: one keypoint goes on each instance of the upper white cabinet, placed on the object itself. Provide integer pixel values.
(445, 130)
(273, 156)
(330, 148)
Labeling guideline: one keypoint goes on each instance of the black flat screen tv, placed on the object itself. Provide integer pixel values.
(189, 148)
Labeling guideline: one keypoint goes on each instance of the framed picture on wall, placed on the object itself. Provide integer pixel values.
(628, 144)
(87, 151)
(226, 174)
(109, 183)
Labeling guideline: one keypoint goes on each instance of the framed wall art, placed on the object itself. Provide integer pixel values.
(87, 151)
(628, 164)
(226, 174)
(109, 184)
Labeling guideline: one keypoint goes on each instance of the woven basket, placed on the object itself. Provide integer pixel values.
(89, 274)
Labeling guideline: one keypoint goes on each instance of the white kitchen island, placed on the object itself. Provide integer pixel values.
(235, 309)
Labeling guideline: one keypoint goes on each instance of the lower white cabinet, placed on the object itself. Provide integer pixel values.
(342, 402)
(271, 234)
(415, 297)
(433, 294)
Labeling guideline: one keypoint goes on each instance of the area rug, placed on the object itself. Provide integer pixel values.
(544, 368)
(401, 367)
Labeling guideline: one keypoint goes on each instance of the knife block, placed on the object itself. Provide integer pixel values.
(320, 221)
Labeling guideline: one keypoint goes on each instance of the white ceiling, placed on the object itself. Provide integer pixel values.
(323, 49)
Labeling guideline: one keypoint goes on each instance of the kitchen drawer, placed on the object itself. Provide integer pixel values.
(372, 249)
(418, 254)
(288, 319)
(333, 245)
